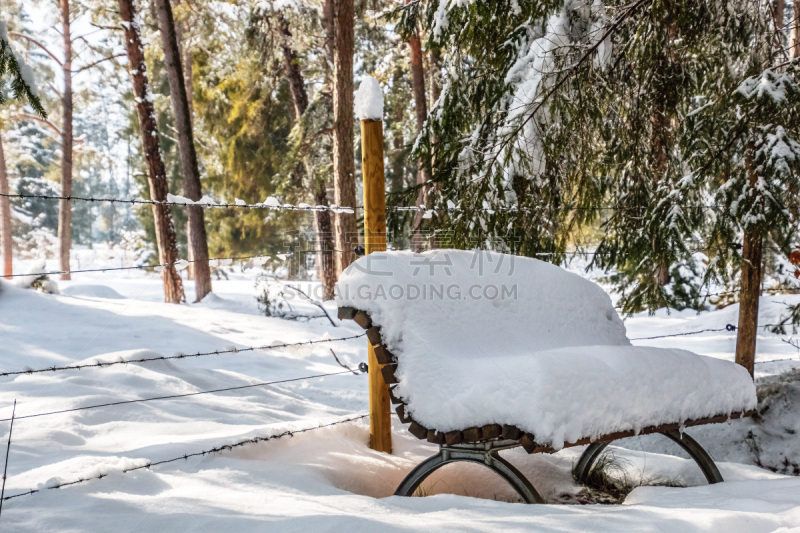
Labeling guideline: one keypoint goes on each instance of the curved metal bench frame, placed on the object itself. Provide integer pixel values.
(593, 452)
(486, 454)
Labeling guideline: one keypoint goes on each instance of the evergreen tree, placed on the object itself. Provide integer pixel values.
(610, 114)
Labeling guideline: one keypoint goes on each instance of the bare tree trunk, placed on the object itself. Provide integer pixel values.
(5, 216)
(322, 219)
(421, 111)
(64, 206)
(156, 173)
(191, 174)
(343, 155)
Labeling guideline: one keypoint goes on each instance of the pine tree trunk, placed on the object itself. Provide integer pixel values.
(185, 53)
(795, 45)
(5, 216)
(343, 154)
(156, 173)
(421, 112)
(330, 38)
(662, 144)
(748, 301)
(198, 239)
(435, 74)
(65, 206)
(322, 219)
(751, 282)
(436, 91)
(324, 226)
(398, 153)
(777, 14)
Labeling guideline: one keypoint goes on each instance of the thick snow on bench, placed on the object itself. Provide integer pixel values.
(484, 338)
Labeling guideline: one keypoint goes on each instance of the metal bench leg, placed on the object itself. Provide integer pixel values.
(489, 459)
(700, 456)
(589, 457)
(691, 446)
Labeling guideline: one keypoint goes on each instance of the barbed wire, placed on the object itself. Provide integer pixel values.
(182, 263)
(728, 327)
(777, 361)
(179, 263)
(763, 290)
(102, 364)
(174, 396)
(185, 202)
(275, 204)
(186, 456)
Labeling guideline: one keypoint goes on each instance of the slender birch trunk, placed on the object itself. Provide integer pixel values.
(65, 206)
(5, 216)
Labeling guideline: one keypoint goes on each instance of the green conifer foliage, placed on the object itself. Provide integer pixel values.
(635, 118)
(20, 75)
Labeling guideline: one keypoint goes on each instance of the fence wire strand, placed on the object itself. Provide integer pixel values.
(100, 364)
(174, 396)
(217, 449)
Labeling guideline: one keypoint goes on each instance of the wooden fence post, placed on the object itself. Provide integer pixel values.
(380, 422)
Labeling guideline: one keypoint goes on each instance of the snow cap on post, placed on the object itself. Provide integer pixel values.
(369, 100)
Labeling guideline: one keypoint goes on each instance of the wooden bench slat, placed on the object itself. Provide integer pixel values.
(392, 397)
(374, 335)
(401, 413)
(491, 431)
(419, 431)
(347, 313)
(511, 432)
(383, 355)
(472, 434)
(362, 319)
(453, 437)
(388, 374)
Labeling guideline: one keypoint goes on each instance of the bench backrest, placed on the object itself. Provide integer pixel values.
(480, 303)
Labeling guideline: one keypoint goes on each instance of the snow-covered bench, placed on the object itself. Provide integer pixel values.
(487, 351)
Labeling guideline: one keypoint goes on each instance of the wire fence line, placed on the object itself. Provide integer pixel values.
(273, 203)
(180, 264)
(101, 364)
(728, 327)
(176, 396)
(777, 361)
(185, 202)
(186, 456)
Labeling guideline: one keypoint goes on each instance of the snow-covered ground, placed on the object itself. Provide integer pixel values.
(326, 479)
